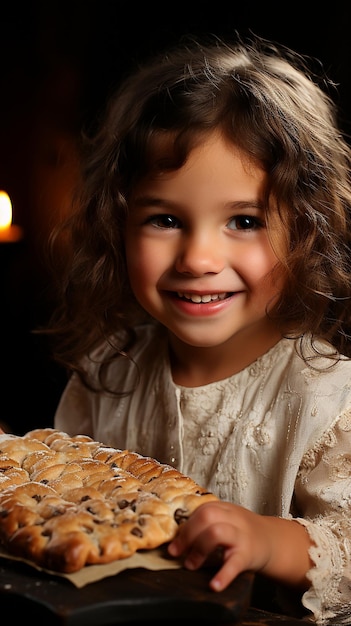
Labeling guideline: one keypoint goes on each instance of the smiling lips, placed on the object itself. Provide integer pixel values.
(205, 298)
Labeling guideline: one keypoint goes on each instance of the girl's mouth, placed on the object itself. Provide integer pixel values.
(205, 298)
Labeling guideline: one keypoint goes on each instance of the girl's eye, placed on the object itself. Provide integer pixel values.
(244, 222)
(164, 221)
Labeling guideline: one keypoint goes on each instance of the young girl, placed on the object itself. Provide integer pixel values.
(206, 307)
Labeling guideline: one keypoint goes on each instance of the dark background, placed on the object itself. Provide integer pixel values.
(58, 62)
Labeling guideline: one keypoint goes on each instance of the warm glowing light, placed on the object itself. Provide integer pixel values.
(9, 233)
(5, 210)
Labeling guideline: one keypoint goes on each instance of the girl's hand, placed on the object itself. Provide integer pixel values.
(273, 546)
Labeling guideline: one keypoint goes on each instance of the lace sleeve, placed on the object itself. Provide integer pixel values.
(323, 499)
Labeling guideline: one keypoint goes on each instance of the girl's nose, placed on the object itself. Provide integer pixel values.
(200, 255)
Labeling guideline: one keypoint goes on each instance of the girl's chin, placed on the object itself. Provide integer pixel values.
(206, 340)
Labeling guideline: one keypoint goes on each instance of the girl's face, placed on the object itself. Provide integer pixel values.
(198, 254)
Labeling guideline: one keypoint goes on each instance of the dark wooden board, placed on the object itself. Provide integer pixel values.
(133, 596)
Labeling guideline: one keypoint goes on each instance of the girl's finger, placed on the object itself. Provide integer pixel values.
(233, 565)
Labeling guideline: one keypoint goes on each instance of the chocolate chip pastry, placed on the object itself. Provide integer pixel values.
(67, 502)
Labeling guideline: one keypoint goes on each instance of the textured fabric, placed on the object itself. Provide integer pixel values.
(275, 438)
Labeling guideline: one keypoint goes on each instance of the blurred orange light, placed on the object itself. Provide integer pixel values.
(5, 210)
(9, 233)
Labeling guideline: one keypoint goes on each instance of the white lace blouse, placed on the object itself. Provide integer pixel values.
(275, 438)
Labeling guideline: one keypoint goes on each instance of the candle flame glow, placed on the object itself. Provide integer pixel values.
(5, 210)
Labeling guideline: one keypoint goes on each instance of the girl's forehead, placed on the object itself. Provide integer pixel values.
(215, 173)
(168, 150)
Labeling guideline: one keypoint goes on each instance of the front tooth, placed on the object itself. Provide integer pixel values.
(195, 298)
(205, 298)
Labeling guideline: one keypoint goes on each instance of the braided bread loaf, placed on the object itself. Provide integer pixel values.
(67, 502)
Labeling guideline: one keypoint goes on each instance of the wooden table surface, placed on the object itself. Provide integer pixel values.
(258, 617)
(135, 597)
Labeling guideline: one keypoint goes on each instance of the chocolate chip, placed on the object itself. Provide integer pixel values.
(122, 504)
(181, 515)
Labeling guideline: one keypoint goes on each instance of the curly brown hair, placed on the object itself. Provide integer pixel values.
(267, 102)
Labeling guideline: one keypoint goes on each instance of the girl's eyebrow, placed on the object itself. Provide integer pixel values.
(243, 205)
(236, 205)
(147, 200)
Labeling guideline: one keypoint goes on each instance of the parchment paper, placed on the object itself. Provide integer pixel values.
(150, 559)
